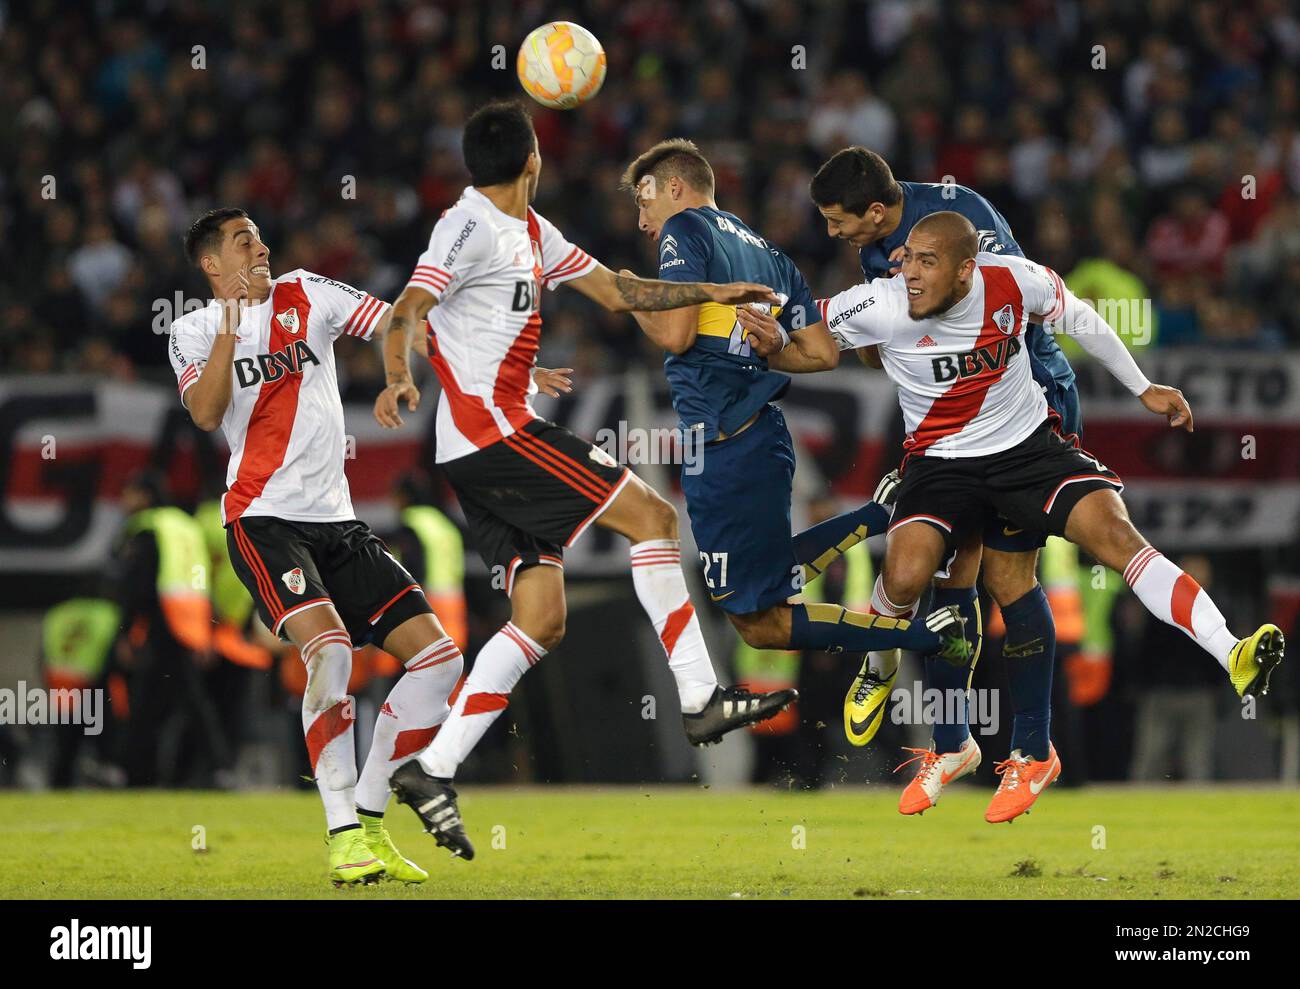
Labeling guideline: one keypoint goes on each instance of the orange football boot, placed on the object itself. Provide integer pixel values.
(937, 770)
(1023, 779)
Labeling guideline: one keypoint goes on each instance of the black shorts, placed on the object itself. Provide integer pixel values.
(1031, 487)
(531, 494)
(289, 567)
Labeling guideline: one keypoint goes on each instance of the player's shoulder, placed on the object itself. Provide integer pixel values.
(314, 282)
(199, 322)
(1031, 278)
(1017, 264)
(878, 297)
(689, 222)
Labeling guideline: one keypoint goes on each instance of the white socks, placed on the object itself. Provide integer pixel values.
(1176, 598)
(498, 667)
(327, 717)
(409, 719)
(661, 589)
(885, 664)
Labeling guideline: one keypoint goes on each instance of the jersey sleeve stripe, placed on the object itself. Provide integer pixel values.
(358, 317)
(1059, 308)
(436, 278)
(568, 260)
(568, 266)
(581, 267)
(363, 320)
(190, 376)
(420, 281)
(433, 269)
(432, 274)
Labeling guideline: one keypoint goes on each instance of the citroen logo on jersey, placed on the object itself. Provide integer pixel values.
(293, 359)
(1005, 319)
(668, 246)
(288, 319)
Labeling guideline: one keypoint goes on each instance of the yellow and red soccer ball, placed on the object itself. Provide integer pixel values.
(561, 65)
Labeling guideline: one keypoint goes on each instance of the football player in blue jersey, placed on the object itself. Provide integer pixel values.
(862, 203)
(738, 489)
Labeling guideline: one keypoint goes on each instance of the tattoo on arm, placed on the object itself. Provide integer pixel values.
(648, 295)
(399, 324)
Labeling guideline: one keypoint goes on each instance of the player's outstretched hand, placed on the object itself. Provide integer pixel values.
(386, 413)
(736, 293)
(553, 380)
(762, 330)
(1168, 402)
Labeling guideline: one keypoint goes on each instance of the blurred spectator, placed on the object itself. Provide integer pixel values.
(1191, 239)
(338, 125)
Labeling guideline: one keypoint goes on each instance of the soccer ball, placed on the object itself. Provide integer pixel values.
(561, 64)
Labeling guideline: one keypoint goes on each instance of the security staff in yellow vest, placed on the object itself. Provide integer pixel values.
(76, 642)
(232, 607)
(432, 549)
(429, 545)
(160, 576)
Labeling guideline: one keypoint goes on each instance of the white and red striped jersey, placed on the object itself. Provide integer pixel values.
(485, 269)
(963, 377)
(284, 423)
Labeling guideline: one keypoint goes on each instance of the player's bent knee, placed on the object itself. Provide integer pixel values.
(762, 629)
(903, 585)
(547, 631)
(661, 516)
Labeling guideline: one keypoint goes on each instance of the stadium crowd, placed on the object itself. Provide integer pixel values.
(1153, 150)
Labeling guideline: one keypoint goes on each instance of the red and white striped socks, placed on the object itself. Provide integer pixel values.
(661, 589)
(409, 719)
(885, 664)
(1176, 598)
(507, 656)
(327, 718)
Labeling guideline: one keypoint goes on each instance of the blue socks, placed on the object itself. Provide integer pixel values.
(945, 676)
(839, 534)
(830, 628)
(1030, 651)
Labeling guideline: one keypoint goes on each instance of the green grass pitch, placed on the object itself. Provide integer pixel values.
(673, 842)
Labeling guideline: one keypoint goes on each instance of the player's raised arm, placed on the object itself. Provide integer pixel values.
(399, 335)
(628, 293)
(209, 397)
(1064, 312)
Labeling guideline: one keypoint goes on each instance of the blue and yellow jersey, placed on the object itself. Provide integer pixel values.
(718, 384)
(1049, 366)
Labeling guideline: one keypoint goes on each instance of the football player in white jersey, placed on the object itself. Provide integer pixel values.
(258, 362)
(981, 438)
(530, 487)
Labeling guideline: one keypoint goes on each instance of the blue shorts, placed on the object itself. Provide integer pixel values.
(999, 533)
(739, 505)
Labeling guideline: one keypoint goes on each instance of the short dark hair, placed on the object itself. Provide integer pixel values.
(204, 233)
(675, 156)
(497, 141)
(956, 233)
(853, 179)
